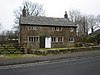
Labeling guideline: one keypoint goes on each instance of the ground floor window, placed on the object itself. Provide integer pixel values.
(53, 39)
(33, 39)
(57, 39)
(71, 39)
(60, 39)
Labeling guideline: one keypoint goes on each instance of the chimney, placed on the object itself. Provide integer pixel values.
(66, 15)
(24, 12)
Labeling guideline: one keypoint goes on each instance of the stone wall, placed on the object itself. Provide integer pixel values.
(47, 32)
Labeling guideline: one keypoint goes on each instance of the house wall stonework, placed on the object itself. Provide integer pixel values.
(47, 31)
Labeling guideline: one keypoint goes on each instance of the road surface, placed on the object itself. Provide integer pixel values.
(75, 66)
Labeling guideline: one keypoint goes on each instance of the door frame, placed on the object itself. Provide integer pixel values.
(47, 42)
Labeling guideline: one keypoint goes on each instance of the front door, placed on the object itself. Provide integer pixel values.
(42, 42)
(47, 42)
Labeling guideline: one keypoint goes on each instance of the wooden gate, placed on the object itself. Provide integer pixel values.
(11, 48)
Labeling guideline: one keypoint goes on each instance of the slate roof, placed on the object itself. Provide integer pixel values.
(96, 32)
(45, 21)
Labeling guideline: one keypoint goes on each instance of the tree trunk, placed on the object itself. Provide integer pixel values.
(92, 30)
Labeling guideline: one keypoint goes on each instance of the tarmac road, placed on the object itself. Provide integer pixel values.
(75, 66)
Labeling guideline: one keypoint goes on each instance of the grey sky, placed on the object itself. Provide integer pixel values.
(54, 8)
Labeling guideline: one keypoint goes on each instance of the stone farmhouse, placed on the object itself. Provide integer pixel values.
(46, 32)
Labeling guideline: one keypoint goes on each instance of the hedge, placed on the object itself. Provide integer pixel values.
(63, 51)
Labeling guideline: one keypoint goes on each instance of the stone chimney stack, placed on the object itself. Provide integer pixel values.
(66, 15)
(24, 12)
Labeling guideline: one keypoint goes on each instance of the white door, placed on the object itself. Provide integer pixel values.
(47, 42)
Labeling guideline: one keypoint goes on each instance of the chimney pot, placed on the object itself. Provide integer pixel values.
(24, 12)
(66, 15)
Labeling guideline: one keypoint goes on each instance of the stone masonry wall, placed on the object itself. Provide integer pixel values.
(47, 31)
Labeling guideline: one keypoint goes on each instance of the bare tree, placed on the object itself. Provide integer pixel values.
(80, 21)
(2, 37)
(1, 27)
(98, 17)
(11, 35)
(98, 20)
(92, 22)
(74, 15)
(32, 9)
(84, 24)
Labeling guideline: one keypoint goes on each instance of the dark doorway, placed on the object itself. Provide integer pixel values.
(42, 42)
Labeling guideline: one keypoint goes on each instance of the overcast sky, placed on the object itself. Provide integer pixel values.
(54, 8)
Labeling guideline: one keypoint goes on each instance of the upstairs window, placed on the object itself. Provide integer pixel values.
(57, 28)
(71, 29)
(31, 28)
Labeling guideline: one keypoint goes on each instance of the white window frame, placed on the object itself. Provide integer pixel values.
(57, 28)
(71, 39)
(57, 39)
(53, 39)
(60, 39)
(33, 38)
(32, 28)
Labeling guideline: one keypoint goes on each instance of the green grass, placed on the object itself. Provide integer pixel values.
(51, 48)
(73, 49)
(15, 56)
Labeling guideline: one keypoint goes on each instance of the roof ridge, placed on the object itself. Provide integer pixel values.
(46, 17)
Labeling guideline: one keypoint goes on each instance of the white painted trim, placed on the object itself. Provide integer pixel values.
(33, 37)
(47, 42)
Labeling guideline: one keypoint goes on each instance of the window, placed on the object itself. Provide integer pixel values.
(57, 39)
(60, 39)
(71, 39)
(57, 28)
(33, 39)
(53, 39)
(71, 29)
(31, 28)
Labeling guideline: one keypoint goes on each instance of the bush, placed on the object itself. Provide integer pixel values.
(78, 44)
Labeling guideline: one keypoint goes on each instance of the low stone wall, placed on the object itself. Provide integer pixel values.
(63, 50)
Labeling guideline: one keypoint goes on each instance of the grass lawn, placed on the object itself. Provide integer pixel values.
(15, 56)
(51, 48)
(72, 49)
